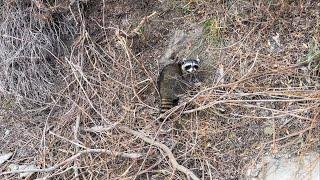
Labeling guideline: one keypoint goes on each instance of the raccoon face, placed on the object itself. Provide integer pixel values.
(190, 65)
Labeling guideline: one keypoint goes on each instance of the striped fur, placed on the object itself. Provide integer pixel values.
(168, 83)
(166, 104)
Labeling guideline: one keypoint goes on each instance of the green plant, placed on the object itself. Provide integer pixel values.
(313, 56)
(212, 29)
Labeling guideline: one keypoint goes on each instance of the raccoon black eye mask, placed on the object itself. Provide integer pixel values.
(190, 65)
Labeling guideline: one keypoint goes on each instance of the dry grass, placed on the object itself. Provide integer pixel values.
(79, 95)
(31, 44)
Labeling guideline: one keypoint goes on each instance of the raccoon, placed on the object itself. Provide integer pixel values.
(170, 82)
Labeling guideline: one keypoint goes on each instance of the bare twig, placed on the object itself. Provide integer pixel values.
(136, 30)
(290, 135)
(168, 152)
(107, 74)
(75, 134)
(74, 157)
(248, 101)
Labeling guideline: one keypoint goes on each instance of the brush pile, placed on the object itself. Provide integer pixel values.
(79, 99)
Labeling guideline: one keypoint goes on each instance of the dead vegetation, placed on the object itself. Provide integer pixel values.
(79, 99)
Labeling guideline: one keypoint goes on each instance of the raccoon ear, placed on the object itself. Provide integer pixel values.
(183, 60)
(198, 60)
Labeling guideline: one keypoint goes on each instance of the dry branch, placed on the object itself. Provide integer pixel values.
(136, 30)
(312, 126)
(248, 101)
(75, 134)
(74, 157)
(168, 152)
(110, 81)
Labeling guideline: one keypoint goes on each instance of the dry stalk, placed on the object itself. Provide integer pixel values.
(75, 134)
(168, 152)
(291, 135)
(243, 101)
(108, 78)
(136, 30)
(73, 158)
